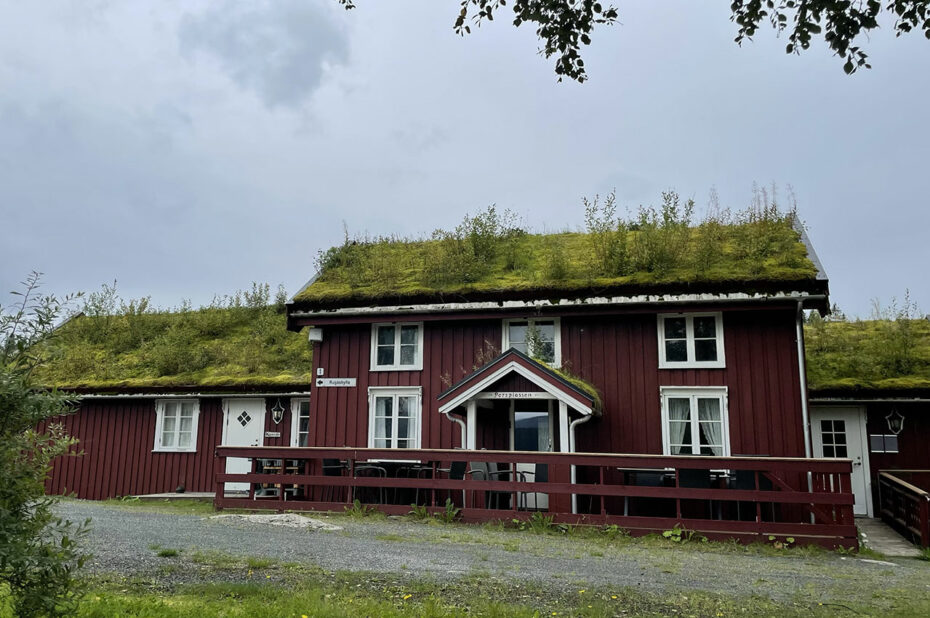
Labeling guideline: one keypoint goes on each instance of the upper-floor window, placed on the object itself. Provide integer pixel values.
(691, 340)
(300, 422)
(397, 346)
(176, 425)
(536, 338)
(694, 421)
(394, 417)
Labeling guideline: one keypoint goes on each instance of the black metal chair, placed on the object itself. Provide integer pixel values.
(333, 467)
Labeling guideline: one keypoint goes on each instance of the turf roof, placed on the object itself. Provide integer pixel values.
(207, 349)
(546, 266)
(868, 358)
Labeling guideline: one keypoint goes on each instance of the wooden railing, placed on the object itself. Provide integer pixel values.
(904, 505)
(748, 498)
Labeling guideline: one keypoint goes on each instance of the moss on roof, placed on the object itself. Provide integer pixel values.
(868, 355)
(211, 348)
(473, 262)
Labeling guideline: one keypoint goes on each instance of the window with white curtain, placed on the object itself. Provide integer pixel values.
(176, 425)
(394, 417)
(694, 421)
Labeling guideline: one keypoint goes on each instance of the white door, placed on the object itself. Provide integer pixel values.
(532, 431)
(840, 432)
(243, 425)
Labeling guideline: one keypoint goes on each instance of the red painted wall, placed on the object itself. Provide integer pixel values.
(617, 353)
(117, 436)
(913, 452)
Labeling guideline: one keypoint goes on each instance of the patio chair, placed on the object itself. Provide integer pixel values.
(369, 469)
(333, 467)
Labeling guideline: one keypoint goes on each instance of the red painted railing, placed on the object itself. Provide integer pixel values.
(904, 505)
(748, 498)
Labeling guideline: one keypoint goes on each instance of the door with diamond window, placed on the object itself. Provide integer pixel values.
(840, 432)
(244, 425)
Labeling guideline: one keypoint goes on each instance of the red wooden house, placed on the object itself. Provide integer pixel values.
(520, 379)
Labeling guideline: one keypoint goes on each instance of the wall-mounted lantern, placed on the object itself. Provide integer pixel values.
(277, 412)
(895, 421)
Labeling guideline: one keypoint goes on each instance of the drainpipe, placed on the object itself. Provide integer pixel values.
(571, 449)
(461, 423)
(802, 368)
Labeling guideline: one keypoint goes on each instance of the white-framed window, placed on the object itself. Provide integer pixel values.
(300, 422)
(883, 443)
(176, 425)
(397, 346)
(691, 340)
(394, 417)
(535, 337)
(695, 421)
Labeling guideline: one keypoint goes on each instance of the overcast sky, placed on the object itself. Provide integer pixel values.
(188, 148)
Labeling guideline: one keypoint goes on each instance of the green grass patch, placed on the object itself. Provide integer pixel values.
(181, 507)
(168, 553)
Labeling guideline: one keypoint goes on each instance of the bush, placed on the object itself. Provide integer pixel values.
(39, 554)
(607, 236)
(663, 235)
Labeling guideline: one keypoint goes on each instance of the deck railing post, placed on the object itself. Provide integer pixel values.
(219, 467)
(925, 522)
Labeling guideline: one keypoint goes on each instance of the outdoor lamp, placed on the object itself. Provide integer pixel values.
(895, 421)
(277, 412)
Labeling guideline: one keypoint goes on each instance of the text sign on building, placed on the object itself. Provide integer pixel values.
(520, 395)
(335, 381)
(272, 434)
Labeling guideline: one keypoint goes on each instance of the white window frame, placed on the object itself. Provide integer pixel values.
(694, 392)
(691, 363)
(159, 422)
(416, 366)
(295, 420)
(557, 324)
(395, 391)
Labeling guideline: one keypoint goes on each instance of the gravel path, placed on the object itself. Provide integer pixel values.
(123, 537)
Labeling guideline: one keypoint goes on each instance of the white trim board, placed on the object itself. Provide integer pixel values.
(526, 373)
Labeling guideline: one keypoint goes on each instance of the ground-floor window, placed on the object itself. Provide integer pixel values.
(881, 443)
(394, 417)
(176, 425)
(694, 421)
(300, 427)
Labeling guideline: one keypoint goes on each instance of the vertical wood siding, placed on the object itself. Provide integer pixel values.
(116, 439)
(618, 354)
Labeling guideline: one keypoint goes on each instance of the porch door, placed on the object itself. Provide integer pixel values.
(532, 431)
(840, 432)
(243, 425)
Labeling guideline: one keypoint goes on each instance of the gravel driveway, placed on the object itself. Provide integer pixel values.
(125, 541)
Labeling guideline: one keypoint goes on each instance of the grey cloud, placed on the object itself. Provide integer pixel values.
(278, 50)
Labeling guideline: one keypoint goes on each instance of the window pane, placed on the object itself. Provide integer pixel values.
(683, 449)
(386, 335)
(403, 428)
(404, 444)
(676, 351)
(171, 408)
(517, 335)
(827, 438)
(384, 406)
(840, 451)
(382, 428)
(405, 406)
(169, 424)
(184, 439)
(546, 330)
(675, 328)
(385, 355)
(167, 439)
(187, 408)
(705, 350)
(409, 334)
(705, 327)
(891, 444)
(708, 409)
(521, 347)
(877, 443)
(186, 423)
(408, 354)
(679, 409)
(546, 352)
(826, 425)
(711, 439)
(382, 443)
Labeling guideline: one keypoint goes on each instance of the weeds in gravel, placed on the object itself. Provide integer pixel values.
(359, 510)
(168, 553)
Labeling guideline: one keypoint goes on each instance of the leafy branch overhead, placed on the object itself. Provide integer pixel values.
(564, 26)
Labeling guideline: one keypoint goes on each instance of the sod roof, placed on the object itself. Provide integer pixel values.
(752, 257)
(868, 358)
(211, 349)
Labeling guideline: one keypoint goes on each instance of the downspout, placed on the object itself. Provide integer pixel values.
(571, 449)
(802, 368)
(461, 423)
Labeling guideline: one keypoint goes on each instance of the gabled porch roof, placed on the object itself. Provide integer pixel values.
(511, 362)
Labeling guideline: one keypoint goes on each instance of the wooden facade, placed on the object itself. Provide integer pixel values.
(616, 352)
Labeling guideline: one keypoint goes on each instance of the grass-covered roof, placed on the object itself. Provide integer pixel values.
(239, 347)
(868, 357)
(488, 256)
